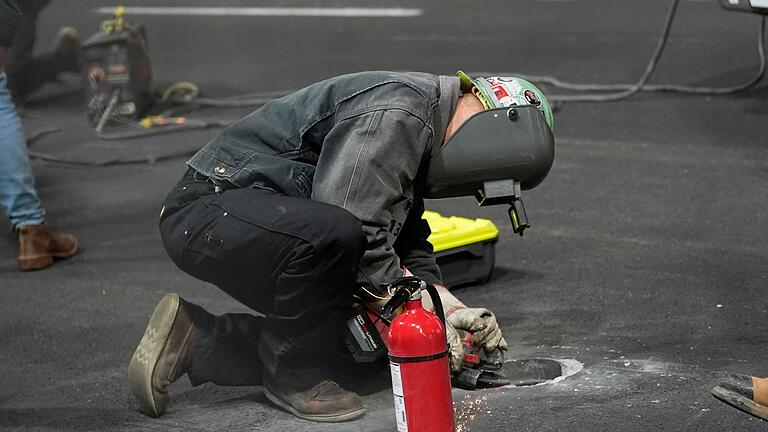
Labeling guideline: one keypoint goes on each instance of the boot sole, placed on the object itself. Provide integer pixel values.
(323, 418)
(741, 402)
(146, 356)
(35, 263)
(39, 262)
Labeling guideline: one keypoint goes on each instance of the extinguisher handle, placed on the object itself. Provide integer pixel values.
(400, 291)
(398, 299)
(436, 302)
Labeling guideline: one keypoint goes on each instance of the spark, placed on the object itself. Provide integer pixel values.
(468, 410)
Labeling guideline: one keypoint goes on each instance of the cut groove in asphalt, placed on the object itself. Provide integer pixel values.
(348, 12)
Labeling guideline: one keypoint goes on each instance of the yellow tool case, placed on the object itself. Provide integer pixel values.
(464, 248)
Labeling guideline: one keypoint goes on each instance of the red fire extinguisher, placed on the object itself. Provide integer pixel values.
(418, 355)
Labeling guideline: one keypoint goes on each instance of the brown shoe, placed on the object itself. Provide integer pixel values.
(325, 402)
(39, 245)
(163, 355)
(745, 392)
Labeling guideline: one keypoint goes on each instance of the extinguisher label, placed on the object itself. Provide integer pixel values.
(397, 390)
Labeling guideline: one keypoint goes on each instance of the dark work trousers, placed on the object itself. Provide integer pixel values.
(293, 260)
(26, 73)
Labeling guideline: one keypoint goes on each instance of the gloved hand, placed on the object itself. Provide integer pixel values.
(481, 323)
(455, 348)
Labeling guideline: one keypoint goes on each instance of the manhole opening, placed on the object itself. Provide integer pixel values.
(528, 372)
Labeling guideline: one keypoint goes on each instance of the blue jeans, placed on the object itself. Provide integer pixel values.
(18, 197)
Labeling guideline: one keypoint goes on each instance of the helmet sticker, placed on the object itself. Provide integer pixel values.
(532, 98)
(516, 87)
(500, 92)
(518, 100)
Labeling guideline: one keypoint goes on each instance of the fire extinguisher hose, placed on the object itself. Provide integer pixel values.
(436, 302)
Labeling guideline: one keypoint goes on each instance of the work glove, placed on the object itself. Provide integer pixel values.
(455, 348)
(481, 323)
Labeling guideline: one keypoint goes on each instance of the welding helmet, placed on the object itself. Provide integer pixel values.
(498, 152)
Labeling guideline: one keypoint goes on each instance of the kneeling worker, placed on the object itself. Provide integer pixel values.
(293, 208)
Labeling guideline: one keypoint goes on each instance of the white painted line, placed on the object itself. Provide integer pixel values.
(347, 12)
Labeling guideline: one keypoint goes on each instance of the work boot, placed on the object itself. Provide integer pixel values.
(163, 355)
(66, 53)
(325, 402)
(747, 393)
(39, 245)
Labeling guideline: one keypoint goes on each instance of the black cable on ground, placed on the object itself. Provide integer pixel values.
(39, 133)
(191, 100)
(627, 90)
(141, 132)
(186, 93)
(132, 133)
(133, 129)
(649, 69)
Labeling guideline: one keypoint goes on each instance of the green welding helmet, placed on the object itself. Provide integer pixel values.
(498, 152)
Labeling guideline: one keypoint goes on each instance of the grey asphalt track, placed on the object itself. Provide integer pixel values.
(647, 259)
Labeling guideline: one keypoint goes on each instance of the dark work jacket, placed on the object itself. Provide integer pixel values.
(357, 141)
(10, 18)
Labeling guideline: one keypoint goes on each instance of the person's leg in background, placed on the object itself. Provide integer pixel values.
(294, 260)
(38, 245)
(25, 72)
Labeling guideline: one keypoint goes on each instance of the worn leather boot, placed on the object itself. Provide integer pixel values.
(163, 355)
(745, 392)
(39, 245)
(325, 402)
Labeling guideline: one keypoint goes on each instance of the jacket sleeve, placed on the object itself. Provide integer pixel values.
(367, 164)
(10, 17)
(413, 249)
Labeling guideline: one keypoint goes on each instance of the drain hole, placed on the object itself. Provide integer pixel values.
(532, 371)
(525, 372)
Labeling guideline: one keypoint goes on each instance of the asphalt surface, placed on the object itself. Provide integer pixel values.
(647, 260)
